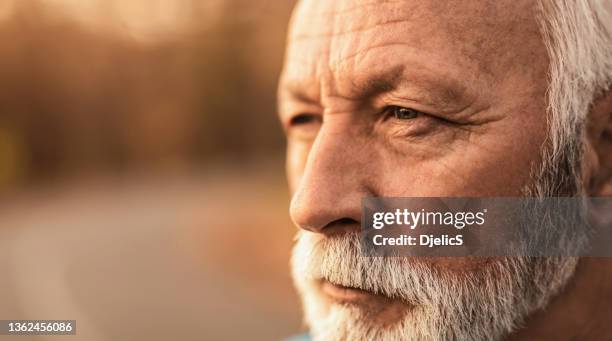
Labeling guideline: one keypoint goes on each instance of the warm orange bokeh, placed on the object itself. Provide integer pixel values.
(141, 168)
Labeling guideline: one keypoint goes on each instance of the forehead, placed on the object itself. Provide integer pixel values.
(351, 41)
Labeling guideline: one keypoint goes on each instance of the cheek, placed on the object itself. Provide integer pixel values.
(494, 165)
(494, 159)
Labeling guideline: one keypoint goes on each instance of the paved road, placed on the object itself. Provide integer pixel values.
(175, 257)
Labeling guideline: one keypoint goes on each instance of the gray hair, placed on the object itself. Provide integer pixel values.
(578, 38)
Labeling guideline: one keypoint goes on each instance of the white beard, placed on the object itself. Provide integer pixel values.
(485, 304)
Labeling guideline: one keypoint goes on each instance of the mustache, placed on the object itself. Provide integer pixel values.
(339, 260)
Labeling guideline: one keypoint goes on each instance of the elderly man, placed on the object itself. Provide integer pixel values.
(419, 98)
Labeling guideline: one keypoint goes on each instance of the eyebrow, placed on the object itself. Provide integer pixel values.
(296, 91)
(432, 89)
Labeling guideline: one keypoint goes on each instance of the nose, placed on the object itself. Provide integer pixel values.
(328, 196)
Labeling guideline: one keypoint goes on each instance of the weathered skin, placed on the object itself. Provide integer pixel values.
(478, 70)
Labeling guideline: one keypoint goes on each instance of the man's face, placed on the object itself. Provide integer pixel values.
(404, 98)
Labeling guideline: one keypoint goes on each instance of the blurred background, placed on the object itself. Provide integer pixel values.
(142, 190)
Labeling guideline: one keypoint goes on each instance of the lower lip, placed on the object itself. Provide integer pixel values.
(345, 294)
(380, 309)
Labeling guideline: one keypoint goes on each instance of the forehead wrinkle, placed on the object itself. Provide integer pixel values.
(336, 65)
(486, 23)
(327, 61)
(311, 23)
(360, 6)
(426, 84)
(423, 76)
(359, 29)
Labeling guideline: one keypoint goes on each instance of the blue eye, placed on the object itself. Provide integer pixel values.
(402, 113)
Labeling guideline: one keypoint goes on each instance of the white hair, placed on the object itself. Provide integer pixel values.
(578, 38)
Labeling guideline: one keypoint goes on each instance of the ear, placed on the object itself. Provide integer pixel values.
(598, 153)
